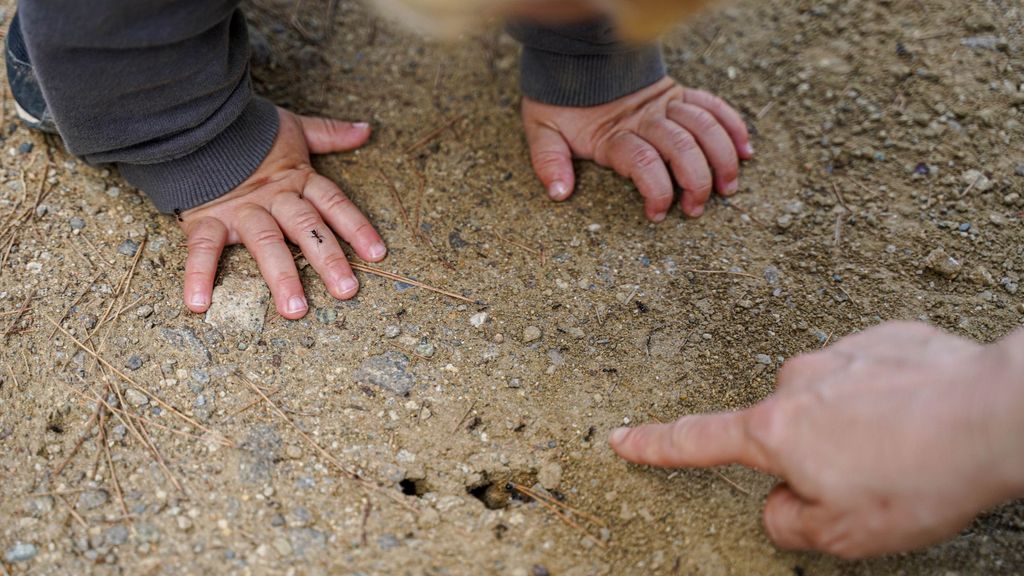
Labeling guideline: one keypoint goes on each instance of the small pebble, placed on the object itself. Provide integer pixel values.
(531, 334)
(144, 311)
(942, 263)
(20, 552)
(26, 147)
(128, 248)
(763, 359)
(479, 319)
(392, 331)
(135, 398)
(134, 362)
(550, 476)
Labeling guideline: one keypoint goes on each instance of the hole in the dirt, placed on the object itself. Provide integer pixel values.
(414, 487)
(56, 428)
(492, 495)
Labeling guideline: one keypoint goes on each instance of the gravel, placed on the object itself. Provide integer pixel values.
(388, 371)
(128, 248)
(20, 552)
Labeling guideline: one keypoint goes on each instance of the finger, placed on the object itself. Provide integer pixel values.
(345, 218)
(261, 235)
(206, 239)
(727, 116)
(786, 519)
(633, 158)
(325, 135)
(689, 165)
(713, 140)
(805, 370)
(304, 227)
(552, 160)
(690, 442)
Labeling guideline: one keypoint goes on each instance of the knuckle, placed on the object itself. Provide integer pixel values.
(202, 243)
(547, 159)
(284, 278)
(336, 261)
(767, 426)
(683, 141)
(336, 202)
(704, 120)
(645, 158)
(306, 220)
(265, 237)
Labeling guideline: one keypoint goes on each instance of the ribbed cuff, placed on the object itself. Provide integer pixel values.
(213, 170)
(588, 79)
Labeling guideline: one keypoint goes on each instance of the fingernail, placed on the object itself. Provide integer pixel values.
(296, 304)
(348, 285)
(377, 251)
(747, 149)
(361, 125)
(198, 299)
(731, 187)
(660, 217)
(618, 435)
(557, 190)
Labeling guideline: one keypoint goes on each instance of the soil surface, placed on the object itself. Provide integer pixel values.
(888, 185)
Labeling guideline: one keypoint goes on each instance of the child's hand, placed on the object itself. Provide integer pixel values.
(644, 136)
(285, 198)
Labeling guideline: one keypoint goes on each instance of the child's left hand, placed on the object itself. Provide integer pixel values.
(644, 136)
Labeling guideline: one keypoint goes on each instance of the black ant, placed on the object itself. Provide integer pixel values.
(177, 214)
(319, 238)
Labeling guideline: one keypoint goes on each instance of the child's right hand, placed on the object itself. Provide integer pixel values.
(285, 198)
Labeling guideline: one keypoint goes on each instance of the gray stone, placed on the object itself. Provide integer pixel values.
(531, 334)
(388, 541)
(392, 331)
(134, 362)
(20, 552)
(326, 315)
(185, 339)
(91, 499)
(771, 275)
(239, 305)
(387, 371)
(479, 319)
(144, 311)
(763, 359)
(135, 397)
(116, 535)
(304, 540)
(128, 248)
(76, 223)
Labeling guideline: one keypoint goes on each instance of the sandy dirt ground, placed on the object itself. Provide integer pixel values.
(888, 185)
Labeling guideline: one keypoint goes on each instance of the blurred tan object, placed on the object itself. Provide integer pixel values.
(637, 19)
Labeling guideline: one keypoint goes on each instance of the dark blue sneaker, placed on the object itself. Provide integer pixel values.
(28, 97)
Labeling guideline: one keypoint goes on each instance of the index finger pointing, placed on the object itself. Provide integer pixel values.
(691, 442)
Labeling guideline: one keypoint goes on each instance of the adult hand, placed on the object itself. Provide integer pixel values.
(652, 136)
(285, 198)
(891, 439)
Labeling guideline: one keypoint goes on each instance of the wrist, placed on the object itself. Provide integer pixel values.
(1003, 369)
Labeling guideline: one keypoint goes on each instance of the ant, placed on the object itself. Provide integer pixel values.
(319, 238)
(177, 214)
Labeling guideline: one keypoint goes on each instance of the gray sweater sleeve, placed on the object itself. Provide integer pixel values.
(159, 87)
(583, 64)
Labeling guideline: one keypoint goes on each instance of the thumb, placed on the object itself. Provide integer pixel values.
(692, 441)
(552, 160)
(786, 519)
(325, 135)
